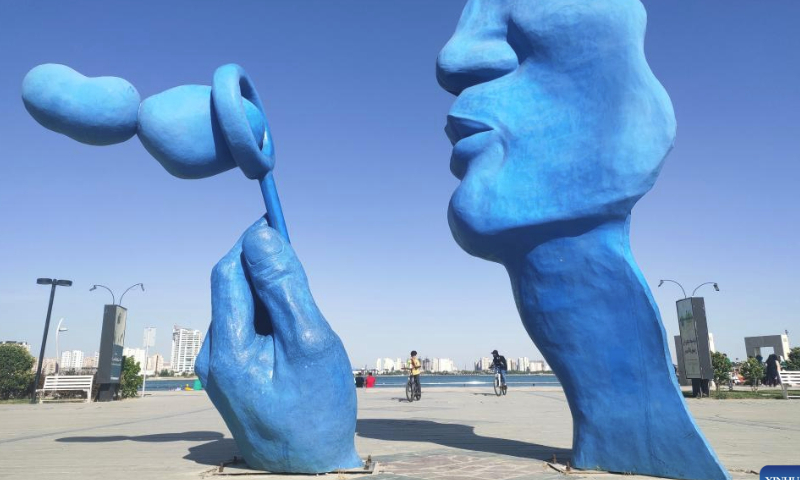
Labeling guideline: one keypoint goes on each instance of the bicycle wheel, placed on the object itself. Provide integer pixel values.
(505, 389)
(410, 391)
(417, 391)
(498, 390)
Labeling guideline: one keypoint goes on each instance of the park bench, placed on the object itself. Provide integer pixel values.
(789, 379)
(60, 383)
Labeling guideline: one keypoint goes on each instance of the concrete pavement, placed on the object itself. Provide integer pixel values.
(453, 433)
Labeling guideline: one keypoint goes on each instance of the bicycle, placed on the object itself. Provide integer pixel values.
(413, 391)
(500, 387)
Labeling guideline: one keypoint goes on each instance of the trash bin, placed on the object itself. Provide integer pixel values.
(197, 385)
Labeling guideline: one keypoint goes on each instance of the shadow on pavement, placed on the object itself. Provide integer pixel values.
(456, 436)
(199, 436)
(216, 449)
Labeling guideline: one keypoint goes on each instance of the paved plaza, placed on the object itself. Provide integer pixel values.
(453, 433)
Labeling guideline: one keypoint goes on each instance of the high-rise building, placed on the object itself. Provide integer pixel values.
(511, 364)
(25, 345)
(90, 362)
(48, 366)
(427, 365)
(138, 355)
(71, 360)
(388, 365)
(537, 366)
(186, 345)
(523, 364)
(155, 364)
(443, 365)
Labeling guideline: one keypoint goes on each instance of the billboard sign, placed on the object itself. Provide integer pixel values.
(112, 341)
(691, 357)
(694, 338)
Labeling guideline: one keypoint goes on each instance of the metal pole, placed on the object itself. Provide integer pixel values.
(144, 372)
(44, 342)
(58, 351)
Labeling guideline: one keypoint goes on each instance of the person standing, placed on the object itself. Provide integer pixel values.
(773, 378)
(370, 381)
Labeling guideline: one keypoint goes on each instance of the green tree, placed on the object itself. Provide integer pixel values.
(793, 362)
(16, 377)
(130, 380)
(722, 369)
(753, 371)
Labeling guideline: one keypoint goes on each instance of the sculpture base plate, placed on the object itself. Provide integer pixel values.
(238, 467)
(568, 470)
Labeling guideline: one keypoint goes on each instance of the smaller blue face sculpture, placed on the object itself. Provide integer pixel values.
(547, 128)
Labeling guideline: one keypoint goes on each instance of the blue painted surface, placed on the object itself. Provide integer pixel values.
(273, 367)
(558, 128)
(97, 111)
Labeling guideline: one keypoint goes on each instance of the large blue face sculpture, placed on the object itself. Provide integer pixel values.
(558, 129)
(271, 364)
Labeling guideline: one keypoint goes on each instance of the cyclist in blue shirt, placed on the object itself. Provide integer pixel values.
(500, 365)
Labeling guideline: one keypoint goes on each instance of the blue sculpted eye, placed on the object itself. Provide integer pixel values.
(97, 111)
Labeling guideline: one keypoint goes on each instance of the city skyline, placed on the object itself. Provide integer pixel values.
(363, 169)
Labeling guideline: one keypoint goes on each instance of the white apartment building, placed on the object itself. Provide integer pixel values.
(138, 356)
(387, 365)
(523, 364)
(155, 364)
(91, 361)
(186, 345)
(443, 365)
(71, 360)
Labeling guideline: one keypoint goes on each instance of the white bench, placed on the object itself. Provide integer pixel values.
(62, 383)
(789, 378)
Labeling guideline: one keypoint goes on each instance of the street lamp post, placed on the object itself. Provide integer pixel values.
(59, 329)
(113, 299)
(53, 282)
(114, 324)
(696, 314)
(126, 291)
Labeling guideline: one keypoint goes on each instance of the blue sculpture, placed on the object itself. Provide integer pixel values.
(558, 128)
(271, 364)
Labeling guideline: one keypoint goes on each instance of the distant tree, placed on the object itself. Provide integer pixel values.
(130, 380)
(16, 377)
(164, 373)
(722, 368)
(793, 362)
(753, 371)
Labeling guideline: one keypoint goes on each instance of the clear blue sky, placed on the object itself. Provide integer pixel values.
(357, 119)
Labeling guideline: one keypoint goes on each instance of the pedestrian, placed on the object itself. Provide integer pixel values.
(773, 378)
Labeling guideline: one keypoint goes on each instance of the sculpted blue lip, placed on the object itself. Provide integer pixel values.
(459, 128)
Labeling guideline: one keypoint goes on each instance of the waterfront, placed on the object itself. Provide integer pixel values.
(399, 381)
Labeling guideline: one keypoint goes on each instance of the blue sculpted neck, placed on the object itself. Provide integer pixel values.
(581, 276)
(587, 307)
(583, 299)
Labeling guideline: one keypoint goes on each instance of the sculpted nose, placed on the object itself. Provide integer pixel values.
(465, 62)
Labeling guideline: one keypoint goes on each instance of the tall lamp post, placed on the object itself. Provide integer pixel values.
(53, 282)
(128, 289)
(695, 349)
(112, 338)
(59, 329)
